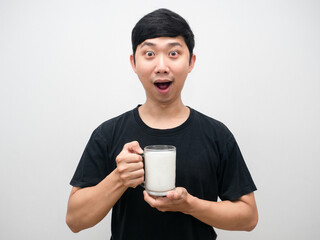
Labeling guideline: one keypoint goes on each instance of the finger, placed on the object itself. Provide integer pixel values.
(132, 179)
(131, 169)
(160, 203)
(154, 201)
(150, 200)
(133, 158)
(133, 147)
(138, 174)
(128, 158)
(176, 194)
(173, 195)
(135, 182)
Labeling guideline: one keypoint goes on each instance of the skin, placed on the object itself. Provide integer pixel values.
(157, 60)
(88, 206)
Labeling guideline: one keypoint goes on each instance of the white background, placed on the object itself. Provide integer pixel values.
(64, 69)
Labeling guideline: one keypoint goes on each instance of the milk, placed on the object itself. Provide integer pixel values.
(160, 171)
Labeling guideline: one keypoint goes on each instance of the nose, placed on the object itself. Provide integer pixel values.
(162, 65)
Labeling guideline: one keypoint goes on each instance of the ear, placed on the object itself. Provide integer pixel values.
(133, 65)
(192, 62)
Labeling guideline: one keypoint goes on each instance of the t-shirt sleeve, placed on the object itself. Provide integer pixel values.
(234, 179)
(92, 167)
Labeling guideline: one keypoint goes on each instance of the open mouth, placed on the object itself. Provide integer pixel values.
(162, 85)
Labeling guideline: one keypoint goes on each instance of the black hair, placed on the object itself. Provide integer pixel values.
(162, 23)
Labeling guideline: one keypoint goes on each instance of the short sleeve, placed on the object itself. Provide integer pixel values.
(234, 177)
(92, 167)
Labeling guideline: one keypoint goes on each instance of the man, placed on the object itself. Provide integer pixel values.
(209, 163)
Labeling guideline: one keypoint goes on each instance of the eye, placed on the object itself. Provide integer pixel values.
(173, 54)
(149, 54)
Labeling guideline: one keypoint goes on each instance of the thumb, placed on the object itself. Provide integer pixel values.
(177, 193)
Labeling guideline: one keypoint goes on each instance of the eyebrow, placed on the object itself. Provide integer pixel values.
(172, 44)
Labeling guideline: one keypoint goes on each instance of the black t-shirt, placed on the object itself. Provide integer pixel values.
(209, 165)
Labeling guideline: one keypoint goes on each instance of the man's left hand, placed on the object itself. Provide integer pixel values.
(176, 200)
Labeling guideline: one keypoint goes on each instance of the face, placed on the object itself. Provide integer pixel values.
(162, 65)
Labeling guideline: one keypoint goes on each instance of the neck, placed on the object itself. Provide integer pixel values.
(163, 109)
(162, 115)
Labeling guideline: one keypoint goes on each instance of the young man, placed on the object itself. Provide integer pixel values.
(209, 163)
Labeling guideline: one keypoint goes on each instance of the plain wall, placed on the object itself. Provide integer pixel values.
(64, 69)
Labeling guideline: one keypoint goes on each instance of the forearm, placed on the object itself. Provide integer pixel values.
(238, 215)
(88, 206)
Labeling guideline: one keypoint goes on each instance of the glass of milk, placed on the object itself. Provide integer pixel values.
(160, 169)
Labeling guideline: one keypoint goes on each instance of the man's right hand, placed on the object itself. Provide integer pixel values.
(130, 165)
(88, 206)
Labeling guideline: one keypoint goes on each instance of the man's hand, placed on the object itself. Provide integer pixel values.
(88, 206)
(241, 214)
(130, 165)
(176, 200)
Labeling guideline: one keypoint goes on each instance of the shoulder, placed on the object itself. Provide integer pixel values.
(211, 125)
(108, 128)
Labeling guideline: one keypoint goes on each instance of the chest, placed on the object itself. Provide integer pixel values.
(197, 159)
